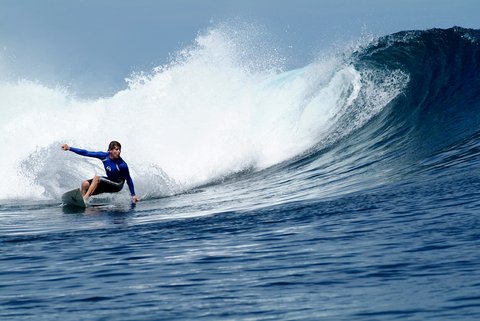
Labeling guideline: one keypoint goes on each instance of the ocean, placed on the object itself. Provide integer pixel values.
(346, 189)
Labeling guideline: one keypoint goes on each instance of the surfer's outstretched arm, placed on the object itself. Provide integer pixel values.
(83, 152)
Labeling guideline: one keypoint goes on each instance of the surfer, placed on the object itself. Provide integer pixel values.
(115, 167)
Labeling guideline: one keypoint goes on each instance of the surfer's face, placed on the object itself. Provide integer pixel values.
(115, 152)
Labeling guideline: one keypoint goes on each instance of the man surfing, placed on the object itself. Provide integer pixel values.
(115, 167)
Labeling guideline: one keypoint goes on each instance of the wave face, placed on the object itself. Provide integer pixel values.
(432, 119)
(344, 123)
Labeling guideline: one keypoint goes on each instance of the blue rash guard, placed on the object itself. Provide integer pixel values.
(117, 169)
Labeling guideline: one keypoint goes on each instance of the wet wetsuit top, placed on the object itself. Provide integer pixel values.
(117, 169)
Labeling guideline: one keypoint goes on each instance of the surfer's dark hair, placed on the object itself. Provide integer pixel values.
(113, 144)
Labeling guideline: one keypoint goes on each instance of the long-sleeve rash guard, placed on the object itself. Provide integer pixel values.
(116, 169)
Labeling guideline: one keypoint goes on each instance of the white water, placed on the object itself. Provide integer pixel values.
(216, 110)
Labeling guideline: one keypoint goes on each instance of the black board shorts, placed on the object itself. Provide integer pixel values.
(106, 185)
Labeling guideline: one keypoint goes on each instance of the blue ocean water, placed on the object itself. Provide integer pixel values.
(345, 190)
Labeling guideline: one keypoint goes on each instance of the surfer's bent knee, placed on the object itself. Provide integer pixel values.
(85, 184)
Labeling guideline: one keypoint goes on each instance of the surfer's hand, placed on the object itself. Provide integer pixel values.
(65, 147)
(135, 199)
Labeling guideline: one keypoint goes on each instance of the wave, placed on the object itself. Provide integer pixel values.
(430, 126)
(439, 105)
(224, 106)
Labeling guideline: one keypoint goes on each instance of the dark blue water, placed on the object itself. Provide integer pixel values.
(382, 224)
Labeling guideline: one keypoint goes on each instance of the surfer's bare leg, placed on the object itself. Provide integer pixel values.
(92, 187)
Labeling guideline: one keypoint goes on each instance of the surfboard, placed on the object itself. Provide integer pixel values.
(74, 198)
